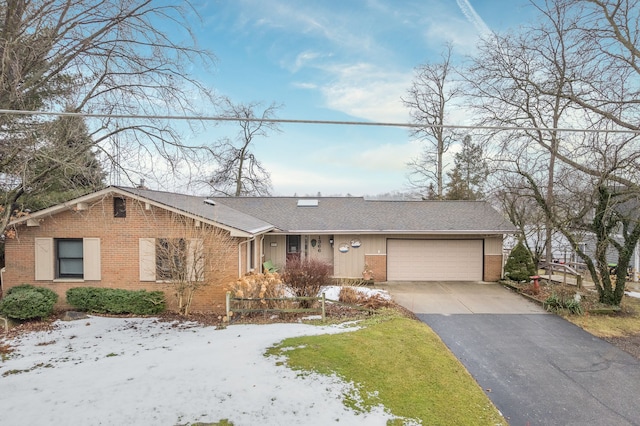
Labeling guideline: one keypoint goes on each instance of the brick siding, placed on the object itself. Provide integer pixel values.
(492, 267)
(378, 265)
(119, 251)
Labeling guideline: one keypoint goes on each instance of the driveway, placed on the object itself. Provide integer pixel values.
(537, 368)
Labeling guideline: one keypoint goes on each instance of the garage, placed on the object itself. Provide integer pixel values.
(434, 260)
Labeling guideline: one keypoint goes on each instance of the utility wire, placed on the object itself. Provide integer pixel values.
(329, 122)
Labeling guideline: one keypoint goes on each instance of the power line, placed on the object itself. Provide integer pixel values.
(319, 122)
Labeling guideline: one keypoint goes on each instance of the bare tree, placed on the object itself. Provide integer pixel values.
(238, 171)
(516, 81)
(192, 257)
(429, 99)
(109, 57)
(551, 76)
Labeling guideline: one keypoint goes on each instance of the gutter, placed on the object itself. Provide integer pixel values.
(392, 231)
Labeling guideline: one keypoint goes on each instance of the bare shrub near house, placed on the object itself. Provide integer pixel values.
(353, 296)
(191, 257)
(259, 286)
(305, 278)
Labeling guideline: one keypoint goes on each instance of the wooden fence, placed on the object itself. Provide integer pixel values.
(269, 308)
(266, 301)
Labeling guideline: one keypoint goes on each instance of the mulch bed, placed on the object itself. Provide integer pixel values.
(588, 298)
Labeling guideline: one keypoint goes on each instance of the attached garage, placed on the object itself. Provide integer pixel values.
(434, 260)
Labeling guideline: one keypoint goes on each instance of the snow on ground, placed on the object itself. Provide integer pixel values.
(633, 294)
(333, 292)
(132, 371)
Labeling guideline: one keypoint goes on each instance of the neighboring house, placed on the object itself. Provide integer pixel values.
(115, 237)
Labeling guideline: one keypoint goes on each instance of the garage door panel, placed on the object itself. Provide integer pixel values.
(434, 260)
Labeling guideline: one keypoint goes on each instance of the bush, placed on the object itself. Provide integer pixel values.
(562, 302)
(116, 301)
(352, 296)
(48, 294)
(519, 266)
(305, 278)
(259, 286)
(26, 302)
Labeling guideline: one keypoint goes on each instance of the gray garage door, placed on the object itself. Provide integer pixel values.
(434, 260)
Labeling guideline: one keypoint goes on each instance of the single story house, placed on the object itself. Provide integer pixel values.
(115, 238)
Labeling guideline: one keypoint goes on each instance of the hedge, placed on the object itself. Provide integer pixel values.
(26, 302)
(116, 301)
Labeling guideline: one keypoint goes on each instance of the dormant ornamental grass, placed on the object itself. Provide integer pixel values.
(399, 363)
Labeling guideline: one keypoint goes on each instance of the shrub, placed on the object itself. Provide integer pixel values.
(305, 278)
(353, 296)
(562, 302)
(26, 302)
(519, 266)
(116, 301)
(257, 286)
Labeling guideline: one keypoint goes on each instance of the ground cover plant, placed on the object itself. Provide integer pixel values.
(400, 363)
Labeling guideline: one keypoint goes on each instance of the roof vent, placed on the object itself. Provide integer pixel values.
(210, 202)
(307, 203)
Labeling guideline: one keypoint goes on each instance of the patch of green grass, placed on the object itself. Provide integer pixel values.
(399, 363)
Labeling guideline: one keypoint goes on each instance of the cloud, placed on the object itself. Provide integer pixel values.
(473, 17)
(389, 156)
(366, 91)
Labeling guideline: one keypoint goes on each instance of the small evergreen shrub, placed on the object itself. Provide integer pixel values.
(25, 302)
(116, 301)
(519, 266)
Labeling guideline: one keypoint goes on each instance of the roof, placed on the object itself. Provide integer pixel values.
(257, 215)
(357, 214)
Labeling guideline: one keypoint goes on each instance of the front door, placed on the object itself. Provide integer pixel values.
(293, 247)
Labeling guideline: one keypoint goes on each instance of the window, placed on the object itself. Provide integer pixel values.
(69, 258)
(171, 259)
(119, 207)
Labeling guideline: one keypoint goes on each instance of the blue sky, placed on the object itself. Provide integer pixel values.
(337, 60)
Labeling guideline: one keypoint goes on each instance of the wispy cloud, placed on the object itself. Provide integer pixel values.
(366, 91)
(473, 17)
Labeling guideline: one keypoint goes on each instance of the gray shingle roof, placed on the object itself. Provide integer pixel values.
(256, 215)
(195, 205)
(345, 214)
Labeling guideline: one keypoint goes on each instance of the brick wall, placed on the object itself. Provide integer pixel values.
(119, 251)
(378, 264)
(492, 267)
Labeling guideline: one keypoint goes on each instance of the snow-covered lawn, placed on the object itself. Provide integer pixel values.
(130, 371)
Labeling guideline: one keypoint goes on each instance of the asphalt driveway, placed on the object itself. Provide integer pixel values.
(537, 368)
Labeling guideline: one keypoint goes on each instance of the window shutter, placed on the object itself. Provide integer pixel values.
(44, 259)
(194, 254)
(147, 251)
(91, 259)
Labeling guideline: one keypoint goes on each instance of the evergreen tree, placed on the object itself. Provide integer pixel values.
(66, 137)
(519, 266)
(470, 171)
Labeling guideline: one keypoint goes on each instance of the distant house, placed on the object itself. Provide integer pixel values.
(114, 237)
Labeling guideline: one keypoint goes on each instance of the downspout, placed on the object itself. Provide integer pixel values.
(636, 263)
(240, 254)
(261, 254)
